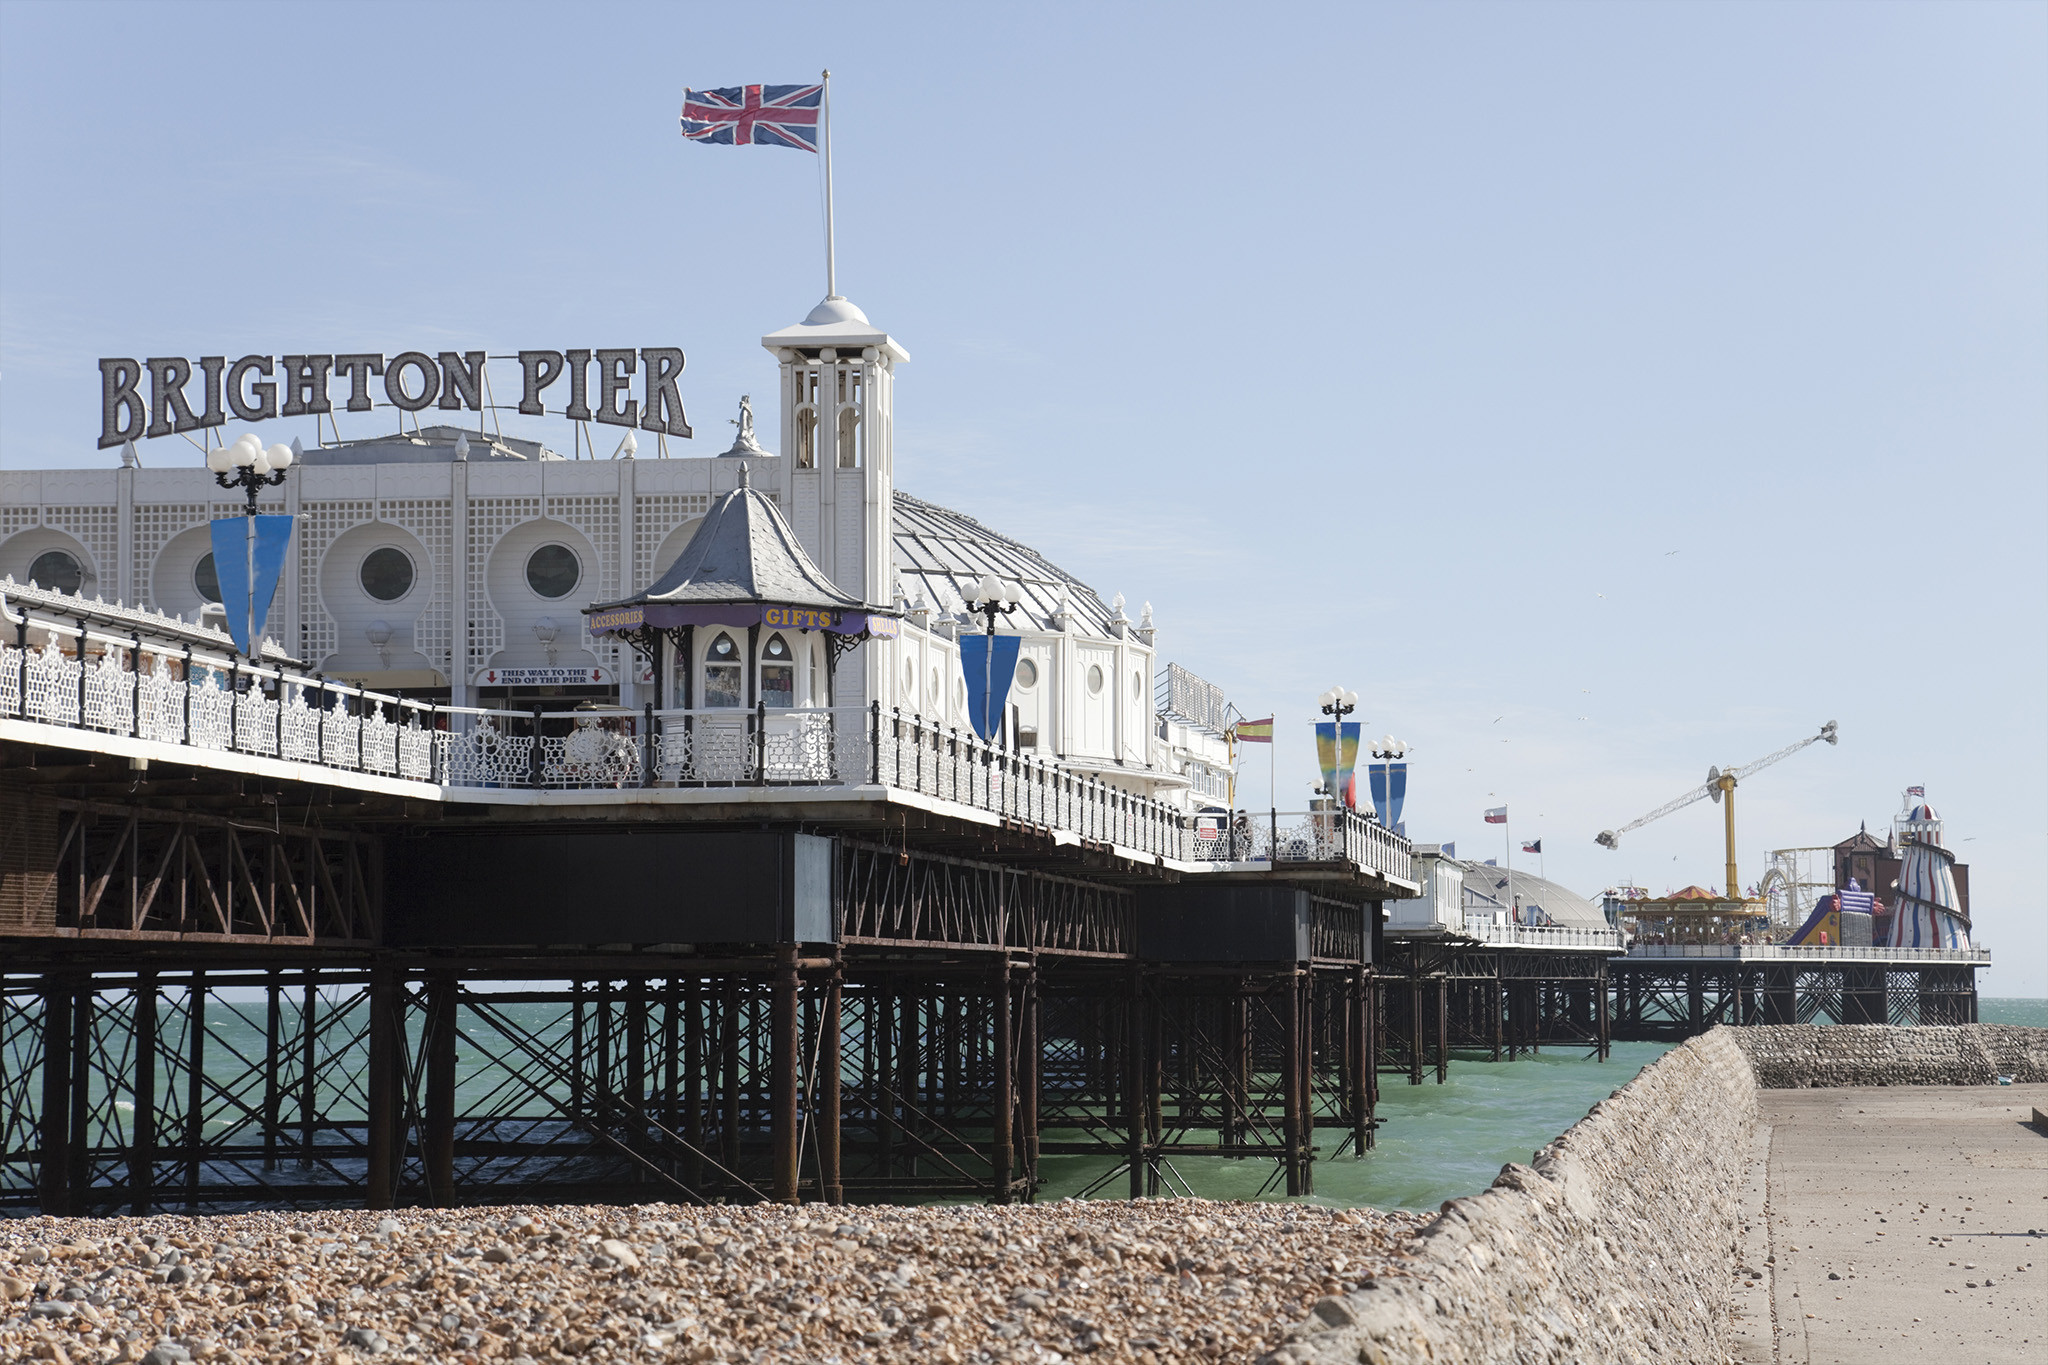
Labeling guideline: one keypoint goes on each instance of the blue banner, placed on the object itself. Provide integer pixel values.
(988, 678)
(1389, 790)
(231, 566)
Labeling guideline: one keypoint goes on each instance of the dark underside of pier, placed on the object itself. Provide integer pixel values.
(221, 991)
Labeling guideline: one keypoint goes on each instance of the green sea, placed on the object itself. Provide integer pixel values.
(1440, 1142)
(1435, 1142)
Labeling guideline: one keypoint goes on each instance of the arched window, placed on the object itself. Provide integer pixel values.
(806, 419)
(56, 569)
(849, 419)
(722, 682)
(778, 673)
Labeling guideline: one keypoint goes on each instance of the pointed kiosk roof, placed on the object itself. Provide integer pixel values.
(743, 567)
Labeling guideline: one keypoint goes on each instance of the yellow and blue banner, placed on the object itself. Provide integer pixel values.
(1337, 752)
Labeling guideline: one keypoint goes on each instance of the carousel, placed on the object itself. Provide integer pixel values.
(1696, 915)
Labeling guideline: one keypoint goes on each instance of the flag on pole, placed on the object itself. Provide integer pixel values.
(1254, 731)
(1497, 815)
(1532, 845)
(754, 116)
(1916, 791)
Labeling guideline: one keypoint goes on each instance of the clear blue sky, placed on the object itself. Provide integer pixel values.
(1392, 345)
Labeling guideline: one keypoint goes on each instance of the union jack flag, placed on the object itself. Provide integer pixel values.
(754, 115)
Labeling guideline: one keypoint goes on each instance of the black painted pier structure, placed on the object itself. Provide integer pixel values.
(1667, 993)
(228, 980)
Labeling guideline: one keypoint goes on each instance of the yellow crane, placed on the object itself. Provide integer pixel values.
(1719, 786)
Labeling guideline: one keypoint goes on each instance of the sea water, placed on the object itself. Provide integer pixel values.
(2006, 1010)
(1435, 1142)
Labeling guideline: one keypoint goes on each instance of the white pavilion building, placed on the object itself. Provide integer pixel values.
(453, 565)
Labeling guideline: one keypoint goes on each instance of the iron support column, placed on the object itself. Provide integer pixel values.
(785, 1068)
(195, 1084)
(830, 1181)
(1003, 1115)
(1027, 1068)
(382, 1087)
(142, 1159)
(1290, 1085)
(440, 1115)
(54, 1192)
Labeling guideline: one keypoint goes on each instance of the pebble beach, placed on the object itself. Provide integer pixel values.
(1149, 1281)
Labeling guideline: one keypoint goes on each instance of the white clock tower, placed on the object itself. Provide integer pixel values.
(838, 419)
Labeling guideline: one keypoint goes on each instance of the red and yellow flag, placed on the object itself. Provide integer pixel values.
(1254, 731)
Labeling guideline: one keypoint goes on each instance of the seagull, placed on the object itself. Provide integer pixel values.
(1669, 553)
(1498, 719)
(1584, 717)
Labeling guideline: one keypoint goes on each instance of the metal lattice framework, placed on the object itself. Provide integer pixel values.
(1678, 998)
(128, 871)
(911, 898)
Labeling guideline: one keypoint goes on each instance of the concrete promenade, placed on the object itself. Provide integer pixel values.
(1930, 1203)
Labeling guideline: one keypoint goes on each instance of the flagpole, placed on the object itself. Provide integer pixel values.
(831, 260)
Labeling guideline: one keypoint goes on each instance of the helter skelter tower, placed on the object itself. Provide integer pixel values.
(1929, 914)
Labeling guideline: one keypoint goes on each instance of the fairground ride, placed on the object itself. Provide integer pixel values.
(1719, 786)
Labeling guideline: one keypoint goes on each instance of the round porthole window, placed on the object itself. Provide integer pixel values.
(206, 578)
(553, 571)
(1137, 687)
(909, 678)
(937, 694)
(386, 573)
(57, 569)
(1095, 680)
(1027, 673)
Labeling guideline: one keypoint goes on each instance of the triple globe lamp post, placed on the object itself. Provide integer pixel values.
(248, 466)
(1340, 702)
(993, 597)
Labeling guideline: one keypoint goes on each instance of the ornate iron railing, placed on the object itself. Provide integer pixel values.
(1543, 936)
(87, 680)
(1788, 952)
(77, 677)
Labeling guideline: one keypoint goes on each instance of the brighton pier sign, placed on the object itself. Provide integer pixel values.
(256, 387)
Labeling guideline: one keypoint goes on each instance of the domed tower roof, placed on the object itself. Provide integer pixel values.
(1918, 820)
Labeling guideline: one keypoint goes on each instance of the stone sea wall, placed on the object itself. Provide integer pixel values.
(1618, 1242)
(1614, 1244)
(1795, 1056)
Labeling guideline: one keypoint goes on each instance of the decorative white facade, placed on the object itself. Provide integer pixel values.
(454, 565)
